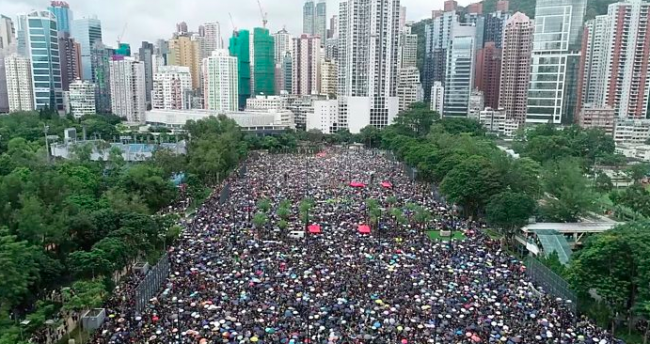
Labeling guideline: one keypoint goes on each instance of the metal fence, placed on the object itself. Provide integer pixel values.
(152, 282)
(225, 193)
(552, 283)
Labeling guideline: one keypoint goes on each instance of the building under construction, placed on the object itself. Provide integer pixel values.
(264, 57)
(240, 48)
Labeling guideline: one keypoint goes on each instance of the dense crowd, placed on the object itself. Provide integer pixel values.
(234, 283)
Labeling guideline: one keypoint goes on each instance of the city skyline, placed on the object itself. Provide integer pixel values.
(147, 23)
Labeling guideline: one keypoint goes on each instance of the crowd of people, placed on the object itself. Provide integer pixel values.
(234, 282)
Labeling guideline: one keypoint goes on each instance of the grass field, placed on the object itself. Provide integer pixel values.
(435, 235)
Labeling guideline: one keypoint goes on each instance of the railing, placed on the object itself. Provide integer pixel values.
(153, 280)
(552, 283)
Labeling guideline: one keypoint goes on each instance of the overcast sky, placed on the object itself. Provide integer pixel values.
(153, 19)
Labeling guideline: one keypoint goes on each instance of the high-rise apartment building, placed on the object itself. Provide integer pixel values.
(70, 59)
(437, 97)
(145, 54)
(38, 41)
(184, 51)
(63, 14)
(329, 79)
(212, 38)
(408, 48)
(19, 83)
(128, 89)
(264, 66)
(515, 69)
(239, 47)
(627, 87)
(409, 88)
(593, 64)
(80, 99)
(283, 44)
(7, 32)
(308, 17)
(368, 64)
(306, 66)
(437, 36)
(287, 69)
(86, 32)
(181, 28)
(459, 72)
(101, 57)
(221, 81)
(320, 20)
(488, 73)
(333, 31)
(552, 92)
(172, 87)
(495, 23)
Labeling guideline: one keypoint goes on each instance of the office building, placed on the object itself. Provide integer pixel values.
(145, 54)
(459, 72)
(19, 83)
(172, 88)
(185, 51)
(437, 97)
(320, 20)
(368, 72)
(70, 59)
(515, 68)
(80, 100)
(87, 32)
(601, 118)
(161, 49)
(38, 41)
(552, 92)
(263, 62)
(7, 32)
(221, 81)
(267, 103)
(128, 89)
(488, 73)
(308, 17)
(627, 88)
(409, 88)
(239, 47)
(283, 45)
(101, 57)
(63, 14)
(593, 64)
(306, 66)
(329, 77)
(437, 36)
(408, 48)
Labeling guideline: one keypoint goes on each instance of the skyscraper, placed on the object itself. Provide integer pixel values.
(70, 59)
(7, 32)
(239, 47)
(306, 72)
(181, 28)
(283, 44)
(593, 64)
(63, 14)
(221, 82)
(488, 73)
(308, 17)
(264, 67)
(128, 89)
(38, 41)
(80, 100)
(101, 57)
(19, 83)
(146, 56)
(459, 72)
(409, 88)
(408, 48)
(437, 35)
(333, 31)
(172, 86)
(212, 36)
(86, 32)
(627, 87)
(515, 69)
(437, 97)
(494, 24)
(556, 45)
(329, 80)
(368, 65)
(320, 20)
(183, 51)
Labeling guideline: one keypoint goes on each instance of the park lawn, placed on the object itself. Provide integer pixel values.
(435, 235)
(492, 233)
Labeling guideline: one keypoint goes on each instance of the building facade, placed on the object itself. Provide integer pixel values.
(63, 14)
(488, 73)
(324, 116)
(145, 54)
(38, 41)
(19, 83)
(172, 88)
(101, 57)
(368, 71)
(459, 73)
(7, 32)
(601, 118)
(69, 59)
(515, 67)
(495, 23)
(476, 104)
(263, 66)
(80, 100)
(437, 97)
(283, 45)
(306, 66)
(87, 32)
(329, 79)
(212, 39)
(221, 81)
(409, 88)
(593, 64)
(408, 48)
(308, 17)
(267, 103)
(631, 131)
(239, 47)
(437, 36)
(128, 89)
(184, 51)
(320, 20)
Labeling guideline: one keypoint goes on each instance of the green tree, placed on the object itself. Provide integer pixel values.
(568, 194)
(417, 120)
(259, 220)
(638, 172)
(370, 136)
(90, 264)
(509, 211)
(603, 183)
(264, 205)
(471, 183)
(19, 269)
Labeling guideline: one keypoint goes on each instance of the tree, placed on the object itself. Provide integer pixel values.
(471, 183)
(509, 211)
(417, 120)
(90, 264)
(18, 270)
(638, 172)
(259, 220)
(568, 194)
(264, 205)
(370, 136)
(169, 162)
(603, 183)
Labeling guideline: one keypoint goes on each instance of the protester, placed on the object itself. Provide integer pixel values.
(234, 283)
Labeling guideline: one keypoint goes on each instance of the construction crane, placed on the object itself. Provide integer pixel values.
(264, 14)
(232, 22)
(119, 38)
